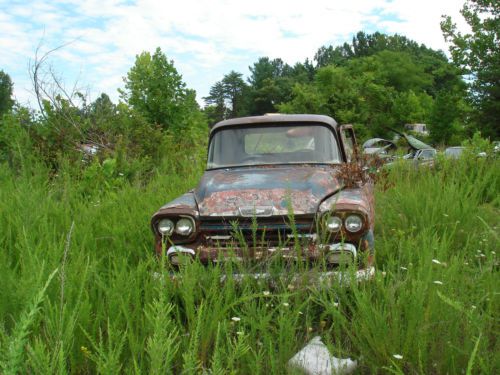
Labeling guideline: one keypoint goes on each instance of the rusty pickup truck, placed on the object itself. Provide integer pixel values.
(272, 188)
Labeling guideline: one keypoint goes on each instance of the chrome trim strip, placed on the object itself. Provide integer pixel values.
(219, 237)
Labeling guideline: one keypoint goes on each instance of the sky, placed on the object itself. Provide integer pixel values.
(206, 39)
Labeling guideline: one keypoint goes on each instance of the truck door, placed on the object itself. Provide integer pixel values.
(348, 140)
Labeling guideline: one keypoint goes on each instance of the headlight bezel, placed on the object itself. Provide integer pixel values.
(175, 234)
(344, 216)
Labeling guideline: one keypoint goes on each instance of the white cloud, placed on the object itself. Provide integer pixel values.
(205, 38)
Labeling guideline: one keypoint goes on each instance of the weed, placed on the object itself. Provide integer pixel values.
(116, 310)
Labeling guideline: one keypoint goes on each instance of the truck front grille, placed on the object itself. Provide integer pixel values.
(265, 232)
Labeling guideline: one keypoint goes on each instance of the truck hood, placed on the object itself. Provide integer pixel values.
(265, 190)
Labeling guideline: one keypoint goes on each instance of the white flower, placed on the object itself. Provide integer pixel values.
(397, 356)
(436, 261)
(267, 292)
(239, 333)
(286, 304)
(301, 313)
(473, 307)
(437, 282)
(336, 304)
(120, 174)
(404, 268)
(235, 319)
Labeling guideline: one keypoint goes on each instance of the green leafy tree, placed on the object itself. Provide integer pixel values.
(412, 108)
(234, 90)
(154, 88)
(227, 98)
(6, 101)
(478, 55)
(216, 109)
(271, 83)
(445, 117)
(364, 45)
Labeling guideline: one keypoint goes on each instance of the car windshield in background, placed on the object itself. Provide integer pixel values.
(257, 145)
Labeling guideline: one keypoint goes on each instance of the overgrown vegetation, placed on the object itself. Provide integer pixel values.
(111, 306)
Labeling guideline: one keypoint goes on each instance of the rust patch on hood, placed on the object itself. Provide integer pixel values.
(227, 192)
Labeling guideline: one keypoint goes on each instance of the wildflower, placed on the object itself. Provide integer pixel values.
(437, 282)
(473, 307)
(436, 261)
(235, 319)
(397, 356)
(300, 313)
(239, 333)
(335, 304)
(120, 174)
(267, 292)
(286, 304)
(404, 268)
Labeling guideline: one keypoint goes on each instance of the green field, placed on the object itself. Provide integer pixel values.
(79, 292)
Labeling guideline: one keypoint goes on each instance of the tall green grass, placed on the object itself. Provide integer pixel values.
(110, 306)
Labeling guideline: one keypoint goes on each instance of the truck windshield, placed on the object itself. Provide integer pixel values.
(273, 144)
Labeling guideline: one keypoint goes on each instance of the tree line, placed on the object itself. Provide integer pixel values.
(378, 81)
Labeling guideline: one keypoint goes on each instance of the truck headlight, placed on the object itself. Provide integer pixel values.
(165, 227)
(184, 227)
(353, 223)
(333, 223)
